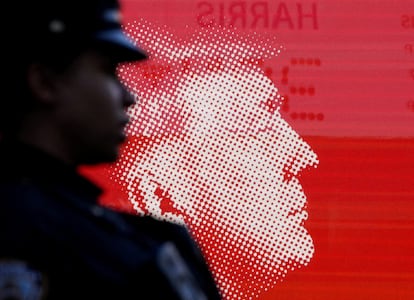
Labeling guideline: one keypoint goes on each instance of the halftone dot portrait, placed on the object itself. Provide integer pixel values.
(208, 147)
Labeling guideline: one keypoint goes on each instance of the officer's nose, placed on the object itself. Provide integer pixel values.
(128, 98)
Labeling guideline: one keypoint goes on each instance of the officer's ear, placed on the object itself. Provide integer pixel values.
(41, 81)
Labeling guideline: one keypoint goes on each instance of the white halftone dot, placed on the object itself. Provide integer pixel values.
(210, 149)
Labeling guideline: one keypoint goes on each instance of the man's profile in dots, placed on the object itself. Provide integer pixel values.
(209, 148)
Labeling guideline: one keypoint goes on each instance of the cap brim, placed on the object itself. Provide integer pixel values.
(122, 46)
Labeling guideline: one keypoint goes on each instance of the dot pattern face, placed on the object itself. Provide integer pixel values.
(207, 147)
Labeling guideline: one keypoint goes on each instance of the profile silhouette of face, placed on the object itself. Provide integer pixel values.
(218, 158)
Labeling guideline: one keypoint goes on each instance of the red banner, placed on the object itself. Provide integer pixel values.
(282, 134)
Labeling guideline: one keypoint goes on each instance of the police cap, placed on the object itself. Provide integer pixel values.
(45, 22)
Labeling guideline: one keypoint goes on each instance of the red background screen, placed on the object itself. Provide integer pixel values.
(347, 76)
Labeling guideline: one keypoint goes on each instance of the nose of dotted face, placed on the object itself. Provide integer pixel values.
(301, 155)
(310, 158)
(304, 157)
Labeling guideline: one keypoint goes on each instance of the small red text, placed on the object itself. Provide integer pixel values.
(407, 21)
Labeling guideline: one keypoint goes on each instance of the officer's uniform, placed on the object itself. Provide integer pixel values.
(57, 242)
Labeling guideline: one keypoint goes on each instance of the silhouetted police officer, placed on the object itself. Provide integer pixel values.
(66, 108)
